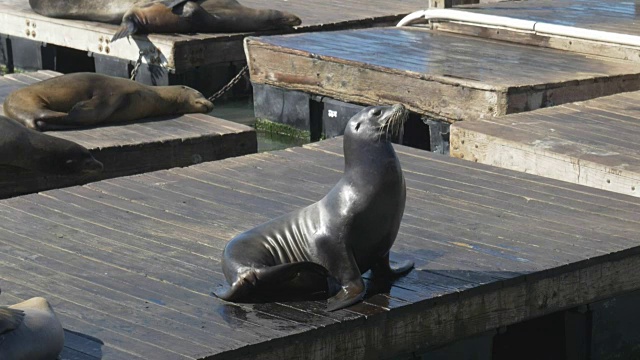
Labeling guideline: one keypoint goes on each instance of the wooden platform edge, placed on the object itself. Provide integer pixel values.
(297, 73)
(300, 71)
(470, 142)
(441, 320)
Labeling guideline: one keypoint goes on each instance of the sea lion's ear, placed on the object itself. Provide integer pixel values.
(10, 319)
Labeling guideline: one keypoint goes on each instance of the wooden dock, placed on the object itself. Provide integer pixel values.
(592, 143)
(620, 17)
(172, 58)
(133, 148)
(129, 263)
(444, 76)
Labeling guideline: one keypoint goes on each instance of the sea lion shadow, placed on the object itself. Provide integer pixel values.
(155, 61)
(78, 342)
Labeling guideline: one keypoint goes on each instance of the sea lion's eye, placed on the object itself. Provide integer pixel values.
(377, 112)
(357, 126)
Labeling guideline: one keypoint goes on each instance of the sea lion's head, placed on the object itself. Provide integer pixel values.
(377, 123)
(189, 100)
(63, 157)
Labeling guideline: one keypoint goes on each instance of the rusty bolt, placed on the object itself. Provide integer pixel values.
(33, 25)
(100, 47)
(33, 33)
(106, 49)
(28, 32)
(28, 22)
(100, 39)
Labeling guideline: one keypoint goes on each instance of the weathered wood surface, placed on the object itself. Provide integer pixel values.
(129, 263)
(181, 52)
(606, 15)
(593, 143)
(132, 148)
(446, 76)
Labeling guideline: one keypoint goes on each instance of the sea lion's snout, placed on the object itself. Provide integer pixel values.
(392, 119)
(292, 20)
(92, 166)
(283, 19)
(205, 104)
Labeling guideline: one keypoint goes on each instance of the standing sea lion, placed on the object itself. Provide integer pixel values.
(86, 99)
(346, 233)
(30, 330)
(168, 16)
(29, 149)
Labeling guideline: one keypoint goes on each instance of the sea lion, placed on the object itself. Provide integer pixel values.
(338, 238)
(87, 99)
(28, 149)
(168, 16)
(30, 330)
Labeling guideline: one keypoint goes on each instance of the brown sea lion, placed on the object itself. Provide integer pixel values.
(168, 16)
(338, 238)
(28, 149)
(88, 99)
(30, 330)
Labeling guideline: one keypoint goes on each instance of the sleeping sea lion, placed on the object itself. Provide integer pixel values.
(338, 238)
(168, 16)
(88, 99)
(28, 149)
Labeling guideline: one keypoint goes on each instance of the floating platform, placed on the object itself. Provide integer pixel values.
(443, 76)
(132, 148)
(593, 143)
(129, 263)
(615, 16)
(203, 61)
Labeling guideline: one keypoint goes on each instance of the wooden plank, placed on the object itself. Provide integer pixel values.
(132, 148)
(129, 263)
(183, 52)
(590, 143)
(608, 15)
(461, 75)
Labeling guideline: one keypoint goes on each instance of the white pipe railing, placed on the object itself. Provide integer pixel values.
(537, 27)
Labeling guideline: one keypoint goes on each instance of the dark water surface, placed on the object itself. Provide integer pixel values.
(241, 111)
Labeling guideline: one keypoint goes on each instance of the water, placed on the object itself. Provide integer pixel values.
(241, 111)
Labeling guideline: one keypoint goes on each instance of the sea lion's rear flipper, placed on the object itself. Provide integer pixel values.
(266, 279)
(384, 269)
(10, 319)
(83, 113)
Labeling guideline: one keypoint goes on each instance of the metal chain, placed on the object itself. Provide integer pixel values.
(134, 72)
(219, 93)
(230, 84)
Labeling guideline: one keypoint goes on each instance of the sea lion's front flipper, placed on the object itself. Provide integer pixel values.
(128, 26)
(267, 278)
(10, 319)
(349, 295)
(344, 268)
(384, 269)
(173, 3)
